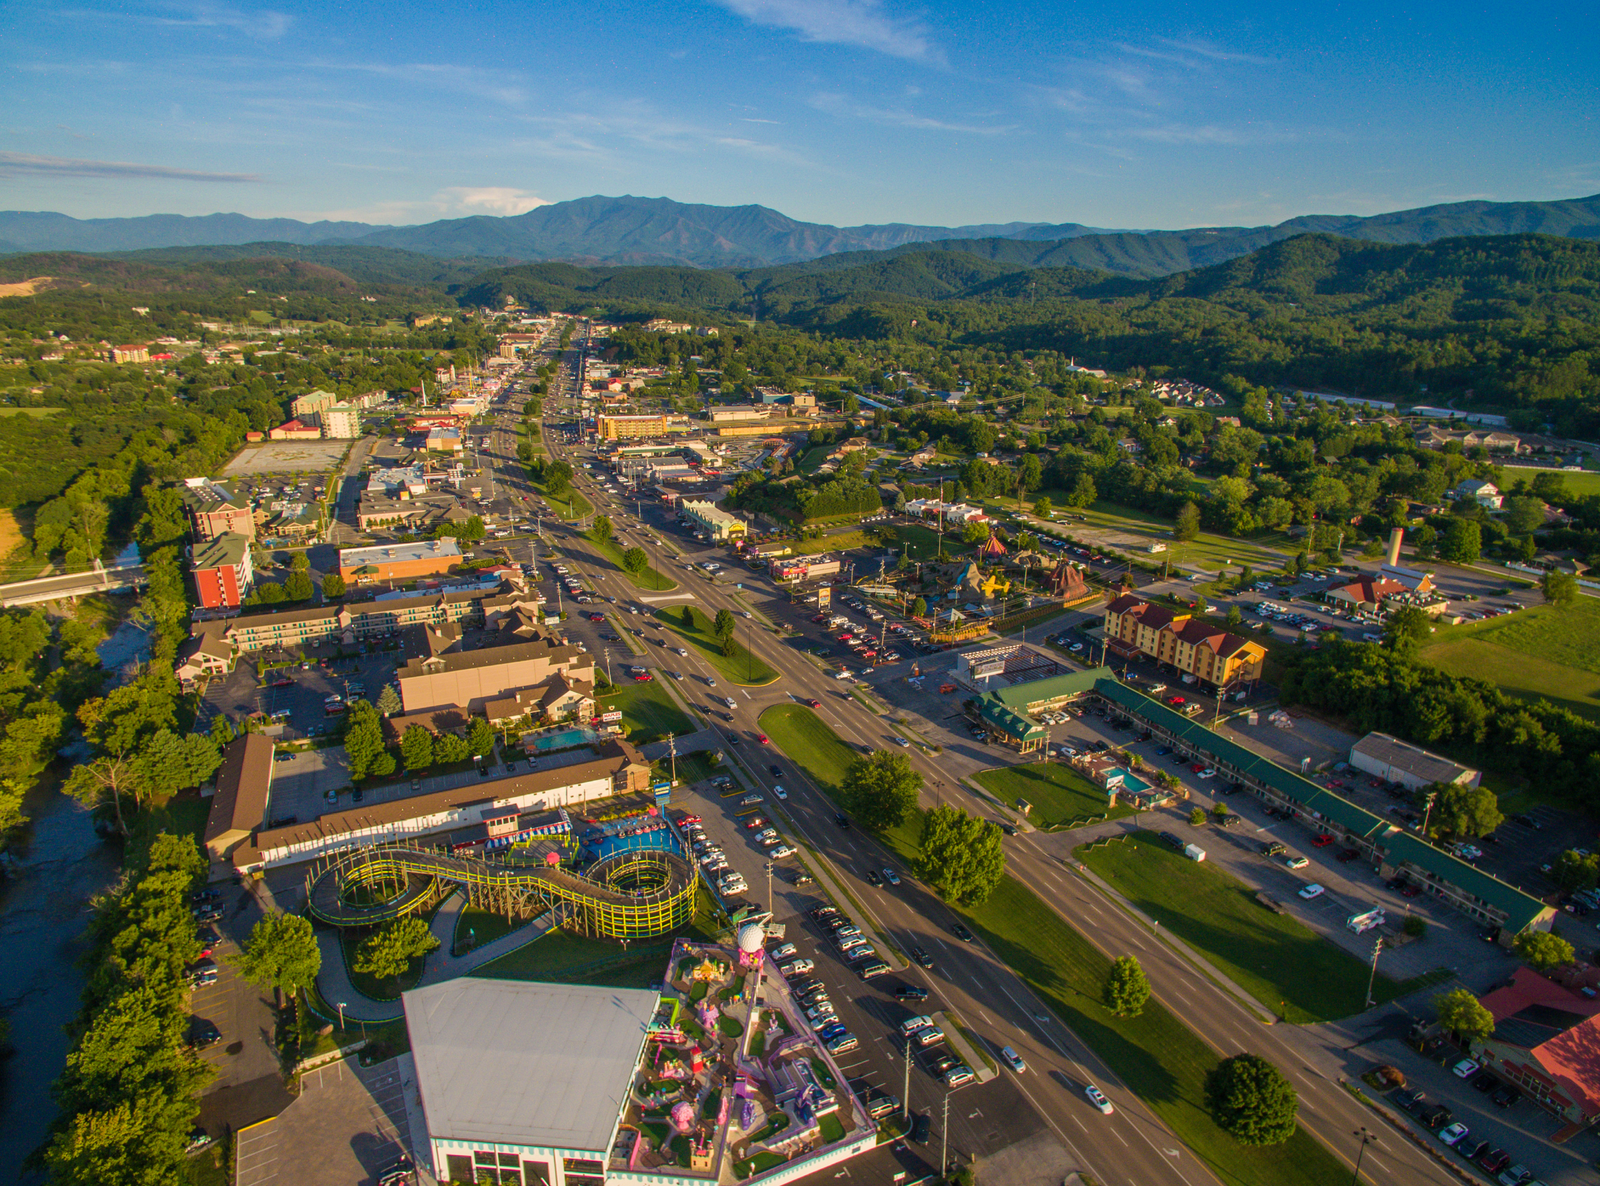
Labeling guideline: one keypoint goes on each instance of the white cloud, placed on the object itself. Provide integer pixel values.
(263, 23)
(899, 117)
(860, 23)
(23, 162)
(491, 199)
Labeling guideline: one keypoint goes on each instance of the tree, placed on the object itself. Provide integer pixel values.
(449, 748)
(416, 748)
(975, 533)
(300, 563)
(1542, 950)
(297, 586)
(1251, 1099)
(1043, 507)
(388, 954)
(1462, 542)
(1234, 616)
(881, 789)
(1460, 810)
(602, 530)
(1127, 987)
(1559, 588)
(919, 607)
(363, 739)
(1524, 514)
(332, 586)
(688, 617)
(960, 856)
(1459, 1012)
(281, 954)
(1187, 524)
(635, 561)
(1574, 872)
(1405, 629)
(389, 701)
(480, 737)
(725, 624)
(1197, 816)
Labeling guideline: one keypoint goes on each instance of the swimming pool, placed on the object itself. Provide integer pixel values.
(1131, 783)
(565, 739)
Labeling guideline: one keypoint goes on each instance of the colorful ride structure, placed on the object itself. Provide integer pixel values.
(628, 896)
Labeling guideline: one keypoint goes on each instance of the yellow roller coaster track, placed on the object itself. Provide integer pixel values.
(631, 895)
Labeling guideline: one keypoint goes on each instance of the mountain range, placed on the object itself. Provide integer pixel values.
(637, 231)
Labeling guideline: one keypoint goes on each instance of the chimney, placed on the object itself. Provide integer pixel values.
(1393, 557)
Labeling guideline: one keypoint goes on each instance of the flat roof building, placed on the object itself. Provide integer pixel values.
(522, 1076)
(398, 561)
(619, 428)
(341, 421)
(222, 571)
(716, 522)
(215, 508)
(1394, 760)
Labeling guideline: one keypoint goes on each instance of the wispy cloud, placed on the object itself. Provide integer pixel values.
(860, 23)
(23, 162)
(1186, 52)
(492, 199)
(262, 23)
(1236, 136)
(454, 201)
(899, 117)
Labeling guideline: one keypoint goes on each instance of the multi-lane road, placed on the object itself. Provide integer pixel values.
(1131, 1146)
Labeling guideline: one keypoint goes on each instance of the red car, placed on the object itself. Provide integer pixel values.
(1322, 841)
(1410, 890)
(596, 617)
(763, 739)
(1197, 767)
(689, 821)
(754, 822)
(1176, 700)
(814, 703)
(643, 678)
(283, 683)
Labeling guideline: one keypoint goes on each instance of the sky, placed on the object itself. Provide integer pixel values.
(1113, 114)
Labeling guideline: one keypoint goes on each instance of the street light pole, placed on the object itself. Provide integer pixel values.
(1367, 1138)
(1372, 978)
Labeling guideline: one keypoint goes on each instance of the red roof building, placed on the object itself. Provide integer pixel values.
(1546, 1041)
(1136, 627)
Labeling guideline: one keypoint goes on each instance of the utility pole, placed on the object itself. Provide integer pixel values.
(944, 1138)
(1372, 978)
(905, 1092)
(672, 739)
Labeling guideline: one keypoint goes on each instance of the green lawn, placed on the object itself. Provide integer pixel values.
(484, 927)
(741, 667)
(1546, 651)
(1160, 1058)
(572, 505)
(923, 541)
(651, 578)
(806, 740)
(1276, 958)
(1206, 550)
(648, 712)
(1059, 794)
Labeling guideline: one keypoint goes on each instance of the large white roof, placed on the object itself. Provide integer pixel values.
(522, 1063)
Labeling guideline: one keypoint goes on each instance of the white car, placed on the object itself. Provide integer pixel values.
(779, 793)
(783, 850)
(797, 967)
(1311, 891)
(1098, 1098)
(787, 951)
(901, 742)
(1208, 772)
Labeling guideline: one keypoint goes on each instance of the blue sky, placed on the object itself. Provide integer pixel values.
(840, 111)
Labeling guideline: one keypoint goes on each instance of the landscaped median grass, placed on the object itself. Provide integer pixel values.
(1279, 960)
(648, 711)
(739, 667)
(1156, 1054)
(579, 505)
(1059, 794)
(651, 578)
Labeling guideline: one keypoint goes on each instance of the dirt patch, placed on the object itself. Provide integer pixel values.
(11, 539)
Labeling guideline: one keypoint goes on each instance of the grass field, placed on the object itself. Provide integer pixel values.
(36, 413)
(648, 712)
(1059, 794)
(1279, 960)
(483, 926)
(1206, 550)
(1549, 651)
(651, 578)
(1160, 1058)
(740, 667)
(806, 740)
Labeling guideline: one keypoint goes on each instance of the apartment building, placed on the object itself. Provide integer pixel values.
(341, 421)
(312, 404)
(1137, 627)
(222, 571)
(215, 509)
(620, 428)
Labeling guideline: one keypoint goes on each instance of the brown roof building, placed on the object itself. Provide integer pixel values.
(566, 779)
(1137, 627)
(244, 785)
(471, 679)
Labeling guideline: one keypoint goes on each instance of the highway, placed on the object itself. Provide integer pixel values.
(1133, 1145)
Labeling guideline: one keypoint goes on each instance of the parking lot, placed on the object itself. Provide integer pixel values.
(295, 694)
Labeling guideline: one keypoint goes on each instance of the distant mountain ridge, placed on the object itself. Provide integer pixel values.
(658, 231)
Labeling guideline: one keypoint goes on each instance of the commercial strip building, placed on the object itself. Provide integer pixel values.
(717, 524)
(802, 568)
(1394, 760)
(1137, 627)
(397, 562)
(624, 428)
(222, 571)
(1388, 848)
(555, 781)
(214, 508)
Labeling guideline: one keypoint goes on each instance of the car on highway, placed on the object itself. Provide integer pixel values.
(960, 931)
(891, 876)
(1296, 862)
(1311, 891)
(813, 702)
(677, 675)
(901, 741)
(779, 793)
(921, 958)
(1098, 1098)
(730, 702)
(763, 739)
